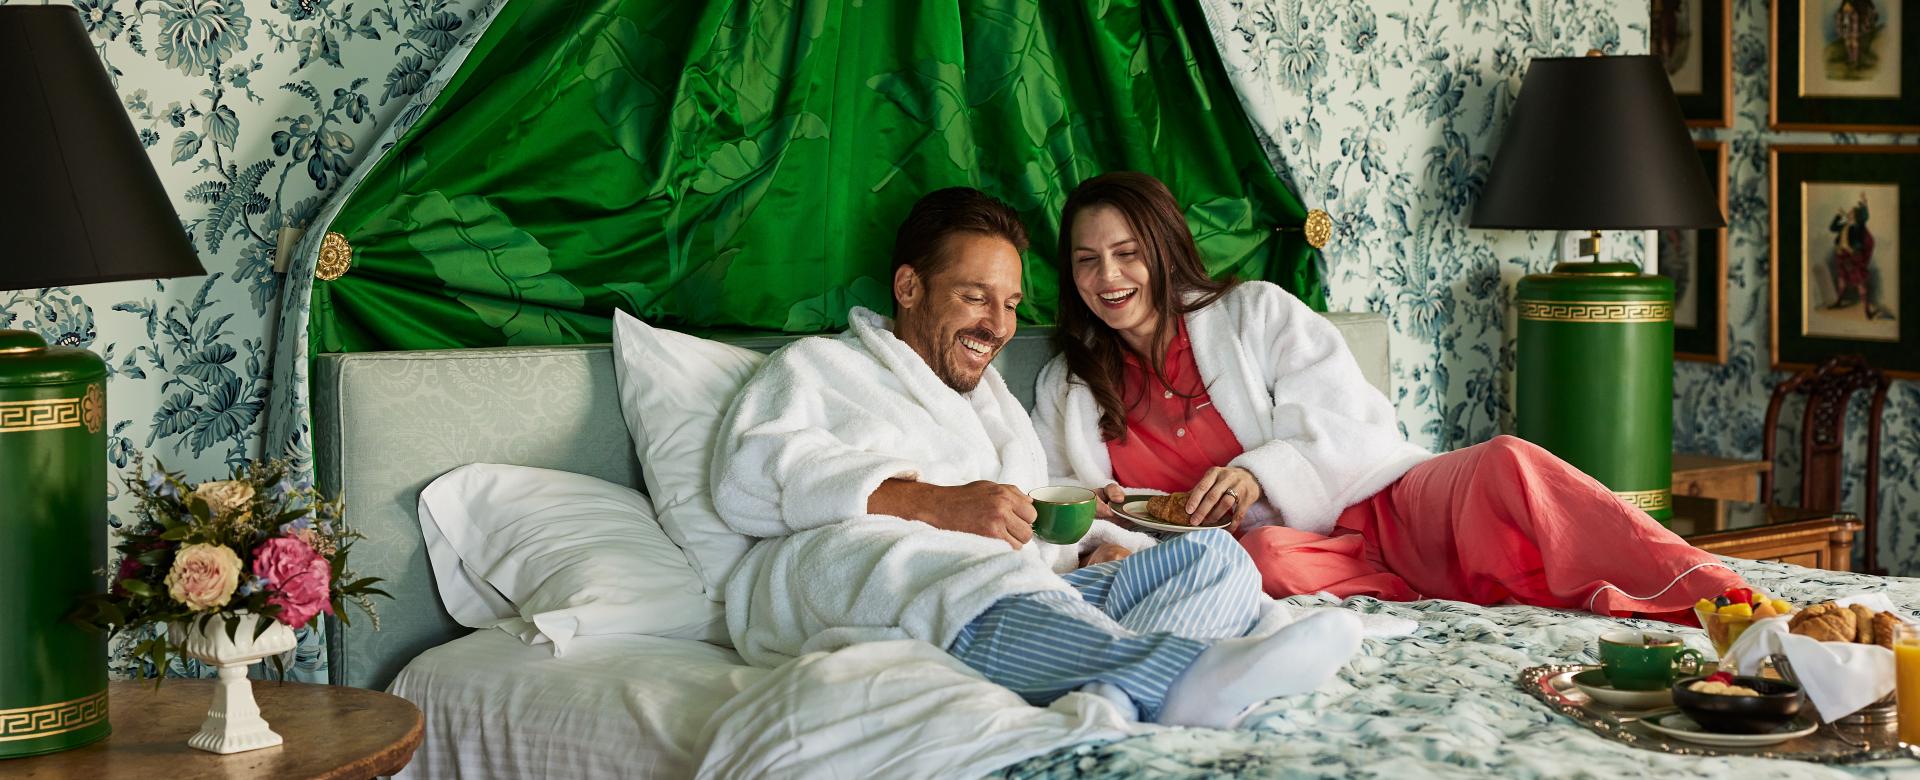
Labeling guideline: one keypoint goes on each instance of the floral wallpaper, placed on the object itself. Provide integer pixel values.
(1721, 409)
(1386, 113)
(252, 111)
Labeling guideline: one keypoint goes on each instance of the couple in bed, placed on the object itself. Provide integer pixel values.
(884, 472)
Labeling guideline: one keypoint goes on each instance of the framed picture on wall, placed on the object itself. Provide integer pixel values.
(1846, 229)
(1694, 38)
(1696, 261)
(1844, 65)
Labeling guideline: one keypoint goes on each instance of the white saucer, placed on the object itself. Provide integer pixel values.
(1596, 687)
(1137, 512)
(1683, 727)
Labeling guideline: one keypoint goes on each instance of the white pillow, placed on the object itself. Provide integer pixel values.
(674, 390)
(567, 553)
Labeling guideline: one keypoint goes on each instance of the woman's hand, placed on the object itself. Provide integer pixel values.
(1222, 492)
(1109, 497)
(1105, 553)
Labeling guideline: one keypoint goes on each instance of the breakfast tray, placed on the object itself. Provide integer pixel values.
(1832, 744)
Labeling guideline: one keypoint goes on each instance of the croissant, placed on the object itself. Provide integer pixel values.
(1171, 508)
(1826, 623)
(1883, 623)
(1862, 624)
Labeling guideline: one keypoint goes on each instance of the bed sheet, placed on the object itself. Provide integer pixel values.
(1443, 703)
(612, 707)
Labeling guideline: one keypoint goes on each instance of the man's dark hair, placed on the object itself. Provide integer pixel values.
(942, 213)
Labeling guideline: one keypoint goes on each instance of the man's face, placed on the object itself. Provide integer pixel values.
(960, 317)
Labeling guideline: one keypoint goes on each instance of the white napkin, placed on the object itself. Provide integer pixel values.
(1839, 677)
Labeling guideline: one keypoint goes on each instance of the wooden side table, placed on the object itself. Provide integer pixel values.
(1710, 477)
(1767, 532)
(332, 733)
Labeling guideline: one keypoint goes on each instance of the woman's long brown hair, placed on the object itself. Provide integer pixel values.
(1096, 355)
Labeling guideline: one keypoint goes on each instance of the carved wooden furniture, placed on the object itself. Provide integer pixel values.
(1767, 532)
(332, 732)
(1829, 388)
(1706, 476)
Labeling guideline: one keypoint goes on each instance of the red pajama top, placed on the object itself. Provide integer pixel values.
(1173, 435)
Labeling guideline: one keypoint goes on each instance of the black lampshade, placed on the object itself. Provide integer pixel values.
(1596, 143)
(79, 201)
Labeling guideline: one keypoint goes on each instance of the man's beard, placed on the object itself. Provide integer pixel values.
(946, 357)
(955, 376)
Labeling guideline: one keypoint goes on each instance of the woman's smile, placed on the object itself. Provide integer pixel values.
(1117, 299)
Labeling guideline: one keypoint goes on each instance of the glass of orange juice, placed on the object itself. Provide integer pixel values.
(1906, 667)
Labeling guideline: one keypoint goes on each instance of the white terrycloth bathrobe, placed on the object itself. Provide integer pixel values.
(1318, 437)
(809, 439)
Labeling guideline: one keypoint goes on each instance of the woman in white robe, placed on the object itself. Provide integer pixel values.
(1249, 402)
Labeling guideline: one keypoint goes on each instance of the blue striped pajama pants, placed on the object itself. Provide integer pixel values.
(1136, 623)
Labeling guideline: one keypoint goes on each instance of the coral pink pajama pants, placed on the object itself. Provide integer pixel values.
(1499, 522)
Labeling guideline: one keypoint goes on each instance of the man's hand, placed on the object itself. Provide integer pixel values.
(1105, 553)
(1110, 497)
(983, 508)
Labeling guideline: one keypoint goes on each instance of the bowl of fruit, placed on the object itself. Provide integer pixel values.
(1727, 616)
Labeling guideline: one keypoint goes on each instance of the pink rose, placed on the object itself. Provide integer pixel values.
(203, 576)
(297, 579)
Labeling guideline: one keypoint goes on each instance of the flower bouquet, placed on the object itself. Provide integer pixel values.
(230, 568)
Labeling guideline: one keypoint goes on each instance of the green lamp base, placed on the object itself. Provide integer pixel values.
(1594, 376)
(53, 541)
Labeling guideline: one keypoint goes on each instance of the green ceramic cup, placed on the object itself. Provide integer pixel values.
(1062, 514)
(1646, 660)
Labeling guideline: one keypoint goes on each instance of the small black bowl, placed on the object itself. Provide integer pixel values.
(1779, 701)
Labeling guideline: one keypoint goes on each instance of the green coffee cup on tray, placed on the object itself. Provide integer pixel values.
(1646, 660)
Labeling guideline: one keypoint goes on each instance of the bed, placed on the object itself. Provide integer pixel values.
(1441, 702)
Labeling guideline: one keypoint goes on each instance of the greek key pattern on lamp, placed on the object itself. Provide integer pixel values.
(1597, 311)
(1646, 500)
(39, 415)
(49, 719)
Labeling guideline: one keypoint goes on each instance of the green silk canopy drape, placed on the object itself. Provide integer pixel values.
(744, 163)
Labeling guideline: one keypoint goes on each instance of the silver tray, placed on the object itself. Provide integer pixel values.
(1832, 744)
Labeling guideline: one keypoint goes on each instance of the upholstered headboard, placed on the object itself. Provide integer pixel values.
(387, 423)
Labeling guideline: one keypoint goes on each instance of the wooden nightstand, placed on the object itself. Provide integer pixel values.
(332, 733)
(1766, 532)
(1710, 477)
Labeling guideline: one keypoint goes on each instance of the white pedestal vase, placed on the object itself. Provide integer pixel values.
(233, 722)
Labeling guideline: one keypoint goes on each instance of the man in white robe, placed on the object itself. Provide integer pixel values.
(885, 471)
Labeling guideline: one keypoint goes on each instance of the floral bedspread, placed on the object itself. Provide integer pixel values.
(1442, 703)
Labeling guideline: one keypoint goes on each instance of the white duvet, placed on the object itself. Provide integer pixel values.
(898, 709)
(907, 709)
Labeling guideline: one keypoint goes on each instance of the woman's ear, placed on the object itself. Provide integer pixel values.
(907, 290)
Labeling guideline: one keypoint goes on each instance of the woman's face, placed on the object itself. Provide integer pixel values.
(1110, 271)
